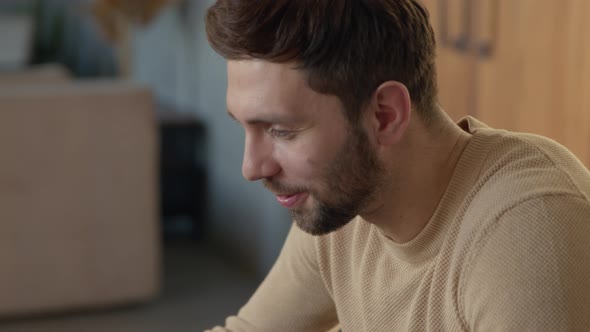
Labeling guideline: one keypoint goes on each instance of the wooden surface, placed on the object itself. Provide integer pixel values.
(455, 69)
(533, 81)
(526, 67)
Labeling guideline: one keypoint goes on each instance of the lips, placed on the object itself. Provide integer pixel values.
(291, 200)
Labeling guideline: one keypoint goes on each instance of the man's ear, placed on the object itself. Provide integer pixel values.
(391, 112)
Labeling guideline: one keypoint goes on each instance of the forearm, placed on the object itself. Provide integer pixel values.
(293, 296)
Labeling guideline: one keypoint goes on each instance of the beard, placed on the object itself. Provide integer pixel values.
(352, 180)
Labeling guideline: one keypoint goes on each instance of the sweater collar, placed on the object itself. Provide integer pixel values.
(428, 242)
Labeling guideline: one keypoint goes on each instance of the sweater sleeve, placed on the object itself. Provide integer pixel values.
(531, 272)
(292, 297)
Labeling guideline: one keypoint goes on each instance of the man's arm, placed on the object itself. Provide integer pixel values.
(292, 297)
(532, 270)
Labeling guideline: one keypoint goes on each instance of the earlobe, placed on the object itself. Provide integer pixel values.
(392, 112)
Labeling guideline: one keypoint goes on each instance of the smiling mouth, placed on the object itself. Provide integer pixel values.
(290, 200)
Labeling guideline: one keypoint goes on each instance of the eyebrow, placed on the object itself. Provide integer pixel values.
(264, 119)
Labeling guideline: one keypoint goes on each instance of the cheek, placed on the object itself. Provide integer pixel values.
(298, 166)
(305, 162)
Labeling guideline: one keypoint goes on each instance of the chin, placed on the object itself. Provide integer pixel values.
(317, 226)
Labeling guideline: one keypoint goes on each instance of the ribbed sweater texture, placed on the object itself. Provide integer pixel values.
(507, 249)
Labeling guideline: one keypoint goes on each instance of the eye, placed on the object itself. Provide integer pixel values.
(279, 133)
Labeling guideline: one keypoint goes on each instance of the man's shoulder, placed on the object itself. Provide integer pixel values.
(522, 166)
(509, 167)
(527, 176)
(535, 256)
(520, 239)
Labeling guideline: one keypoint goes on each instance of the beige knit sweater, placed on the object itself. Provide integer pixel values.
(508, 249)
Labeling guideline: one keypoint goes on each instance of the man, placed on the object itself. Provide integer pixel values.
(403, 220)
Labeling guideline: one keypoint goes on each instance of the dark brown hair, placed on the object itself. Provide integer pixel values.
(346, 47)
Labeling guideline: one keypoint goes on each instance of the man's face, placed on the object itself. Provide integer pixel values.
(300, 144)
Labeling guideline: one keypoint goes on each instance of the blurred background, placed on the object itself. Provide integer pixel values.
(122, 206)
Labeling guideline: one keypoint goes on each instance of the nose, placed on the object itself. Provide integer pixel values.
(258, 160)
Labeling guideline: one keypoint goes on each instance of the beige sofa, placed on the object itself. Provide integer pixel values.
(41, 74)
(78, 196)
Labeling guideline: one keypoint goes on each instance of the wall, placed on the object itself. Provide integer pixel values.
(173, 56)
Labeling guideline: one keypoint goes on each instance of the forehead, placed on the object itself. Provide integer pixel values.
(263, 74)
(256, 84)
(253, 71)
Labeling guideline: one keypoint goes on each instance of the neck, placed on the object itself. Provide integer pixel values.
(421, 169)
